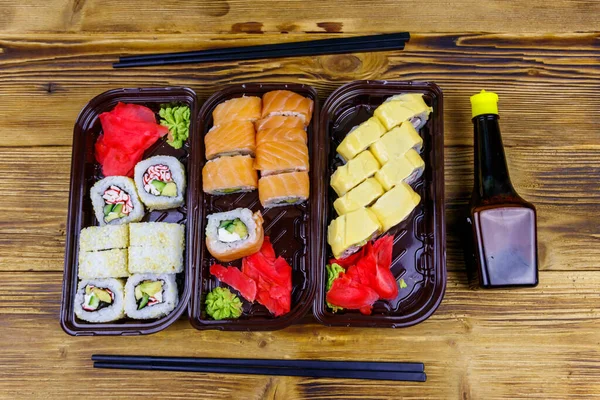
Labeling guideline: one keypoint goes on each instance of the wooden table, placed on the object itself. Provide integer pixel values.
(543, 58)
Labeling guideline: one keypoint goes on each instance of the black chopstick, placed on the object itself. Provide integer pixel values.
(304, 372)
(403, 36)
(270, 363)
(291, 51)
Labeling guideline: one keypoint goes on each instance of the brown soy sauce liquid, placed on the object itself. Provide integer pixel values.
(502, 224)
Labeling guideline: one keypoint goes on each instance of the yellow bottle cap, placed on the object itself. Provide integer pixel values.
(484, 103)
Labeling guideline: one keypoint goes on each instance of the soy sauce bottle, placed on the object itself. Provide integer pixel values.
(503, 225)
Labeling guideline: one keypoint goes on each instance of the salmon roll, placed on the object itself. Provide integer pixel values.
(246, 108)
(279, 157)
(284, 102)
(283, 189)
(230, 139)
(281, 134)
(279, 121)
(226, 175)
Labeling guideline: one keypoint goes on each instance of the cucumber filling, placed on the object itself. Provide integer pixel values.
(158, 181)
(232, 230)
(148, 293)
(96, 298)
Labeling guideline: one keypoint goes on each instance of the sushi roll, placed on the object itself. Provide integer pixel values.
(246, 108)
(230, 139)
(226, 175)
(360, 137)
(115, 201)
(395, 205)
(404, 107)
(349, 232)
(150, 296)
(100, 300)
(156, 247)
(283, 189)
(352, 173)
(234, 234)
(279, 121)
(396, 143)
(407, 168)
(160, 182)
(284, 102)
(361, 196)
(103, 264)
(97, 238)
(281, 135)
(279, 157)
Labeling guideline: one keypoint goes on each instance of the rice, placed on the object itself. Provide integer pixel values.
(123, 183)
(103, 264)
(170, 297)
(109, 313)
(106, 237)
(156, 247)
(157, 201)
(156, 234)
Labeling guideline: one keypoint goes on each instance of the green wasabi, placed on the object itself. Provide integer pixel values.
(333, 272)
(177, 119)
(222, 304)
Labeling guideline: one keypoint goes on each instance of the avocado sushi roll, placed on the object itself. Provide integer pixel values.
(116, 201)
(100, 300)
(149, 296)
(160, 182)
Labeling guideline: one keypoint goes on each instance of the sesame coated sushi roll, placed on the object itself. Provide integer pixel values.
(103, 264)
(150, 296)
(156, 247)
(160, 182)
(100, 300)
(115, 201)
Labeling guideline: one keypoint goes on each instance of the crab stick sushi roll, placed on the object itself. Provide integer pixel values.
(115, 201)
(150, 296)
(156, 247)
(287, 103)
(279, 157)
(100, 300)
(246, 108)
(230, 139)
(279, 121)
(281, 135)
(234, 234)
(160, 182)
(225, 175)
(283, 189)
(404, 107)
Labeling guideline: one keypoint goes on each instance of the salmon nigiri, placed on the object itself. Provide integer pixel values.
(245, 108)
(226, 175)
(284, 102)
(229, 139)
(279, 121)
(281, 134)
(279, 157)
(283, 189)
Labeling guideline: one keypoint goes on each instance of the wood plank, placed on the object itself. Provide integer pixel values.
(471, 339)
(32, 232)
(221, 16)
(532, 74)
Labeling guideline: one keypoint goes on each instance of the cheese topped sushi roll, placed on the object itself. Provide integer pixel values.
(361, 196)
(100, 300)
(407, 168)
(115, 201)
(96, 238)
(225, 175)
(283, 189)
(395, 206)
(348, 232)
(396, 143)
(279, 121)
(285, 102)
(360, 138)
(404, 107)
(246, 108)
(156, 247)
(149, 296)
(283, 156)
(234, 234)
(230, 139)
(352, 173)
(160, 182)
(281, 135)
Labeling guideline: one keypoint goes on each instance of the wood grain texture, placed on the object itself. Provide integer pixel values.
(542, 59)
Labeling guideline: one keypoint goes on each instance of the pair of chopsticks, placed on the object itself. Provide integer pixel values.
(392, 371)
(357, 44)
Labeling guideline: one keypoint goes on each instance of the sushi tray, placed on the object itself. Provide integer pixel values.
(255, 207)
